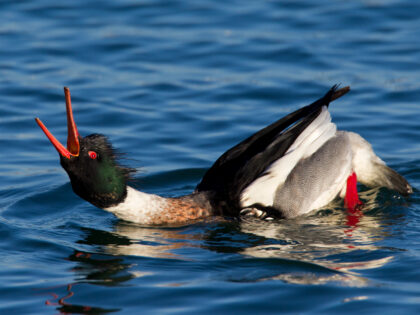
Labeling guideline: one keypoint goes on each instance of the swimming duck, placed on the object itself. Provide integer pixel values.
(297, 164)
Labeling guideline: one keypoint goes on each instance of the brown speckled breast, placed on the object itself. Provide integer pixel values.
(182, 210)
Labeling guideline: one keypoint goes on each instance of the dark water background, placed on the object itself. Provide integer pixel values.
(174, 84)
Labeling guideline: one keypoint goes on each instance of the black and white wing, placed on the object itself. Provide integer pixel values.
(250, 172)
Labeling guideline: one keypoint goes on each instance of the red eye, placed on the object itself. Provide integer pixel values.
(92, 155)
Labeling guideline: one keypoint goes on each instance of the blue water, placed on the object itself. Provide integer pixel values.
(174, 84)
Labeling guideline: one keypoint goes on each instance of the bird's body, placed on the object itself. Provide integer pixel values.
(297, 164)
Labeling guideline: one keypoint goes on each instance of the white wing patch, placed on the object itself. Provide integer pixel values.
(262, 190)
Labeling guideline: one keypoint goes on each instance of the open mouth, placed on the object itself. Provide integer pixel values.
(73, 146)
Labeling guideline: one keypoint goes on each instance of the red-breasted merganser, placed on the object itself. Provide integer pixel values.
(295, 165)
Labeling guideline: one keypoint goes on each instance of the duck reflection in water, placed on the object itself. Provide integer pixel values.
(314, 249)
(92, 270)
(325, 239)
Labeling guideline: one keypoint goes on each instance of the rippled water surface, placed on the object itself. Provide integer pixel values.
(174, 84)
